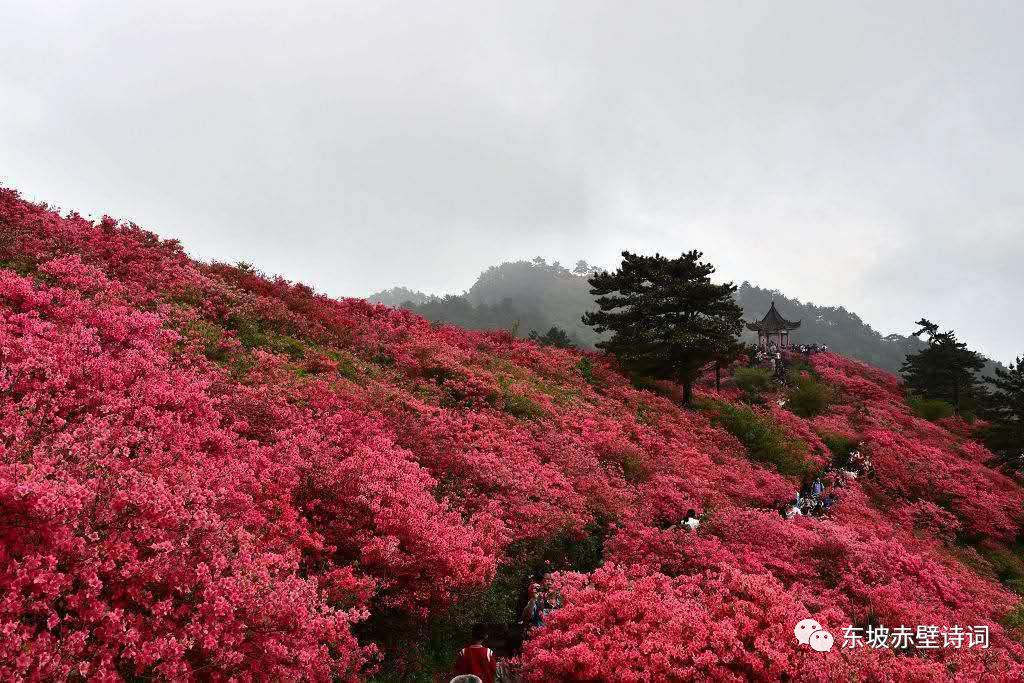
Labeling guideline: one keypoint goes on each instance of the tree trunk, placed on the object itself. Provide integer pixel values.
(718, 376)
(687, 392)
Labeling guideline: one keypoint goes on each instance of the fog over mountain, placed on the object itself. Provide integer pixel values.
(534, 295)
(859, 152)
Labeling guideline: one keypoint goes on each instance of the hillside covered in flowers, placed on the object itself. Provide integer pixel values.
(209, 474)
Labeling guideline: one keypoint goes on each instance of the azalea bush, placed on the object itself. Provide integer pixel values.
(207, 473)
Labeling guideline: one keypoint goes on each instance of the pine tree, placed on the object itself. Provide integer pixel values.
(556, 337)
(1004, 408)
(668, 319)
(945, 369)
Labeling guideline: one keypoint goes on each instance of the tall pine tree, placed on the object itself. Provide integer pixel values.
(668, 319)
(945, 369)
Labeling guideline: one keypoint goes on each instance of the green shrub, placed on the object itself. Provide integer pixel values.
(289, 346)
(808, 397)
(384, 359)
(930, 409)
(635, 470)
(968, 408)
(522, 406)
(839, 445)
(645, 414)
(346, 367)
(22, 265)
(1007, 565)
(586, 368)
(517, 404)
(1014, 619)
(438, 374)
(799, 365)
(646, 383)
(765, 440)
(252, 335)
(248, 331)
(752, 381)
(189, 296)
(210, 335)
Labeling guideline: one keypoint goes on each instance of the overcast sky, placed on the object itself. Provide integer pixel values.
(860, 154)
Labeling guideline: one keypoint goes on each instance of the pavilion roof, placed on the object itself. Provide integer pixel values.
(773, 322)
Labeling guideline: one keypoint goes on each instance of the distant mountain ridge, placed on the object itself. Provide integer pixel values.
(535, 295)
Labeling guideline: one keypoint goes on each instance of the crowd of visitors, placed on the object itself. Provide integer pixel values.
(810, 349)
(817, 495)
(857, 464)
(770, 356)
(773, 357)
(811, 500)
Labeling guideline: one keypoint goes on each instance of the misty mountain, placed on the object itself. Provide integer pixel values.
(399, 296)
(535, 295)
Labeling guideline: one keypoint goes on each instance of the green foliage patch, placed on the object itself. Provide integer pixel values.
(635, 470)
(645, 414)
(22, 265)
(251, 334)
(517, 404)
(210, 336)
(346, 365)
(764, 439)
(808, 397)
(838, 444)
(1008, 565)
(930, 409)
(586, 368)
(1014, 619)
(753, 381)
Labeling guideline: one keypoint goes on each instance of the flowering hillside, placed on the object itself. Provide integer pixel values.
(205, 473)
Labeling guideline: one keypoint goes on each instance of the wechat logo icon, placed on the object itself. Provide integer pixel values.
(810, 632)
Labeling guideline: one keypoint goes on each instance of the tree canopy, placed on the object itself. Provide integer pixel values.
(667, 317)
(945, 369)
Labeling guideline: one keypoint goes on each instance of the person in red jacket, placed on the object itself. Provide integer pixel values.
(477, 659)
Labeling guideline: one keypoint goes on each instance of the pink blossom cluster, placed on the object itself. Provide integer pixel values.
(207, 473)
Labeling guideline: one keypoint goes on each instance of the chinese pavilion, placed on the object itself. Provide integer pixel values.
(773, 324)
